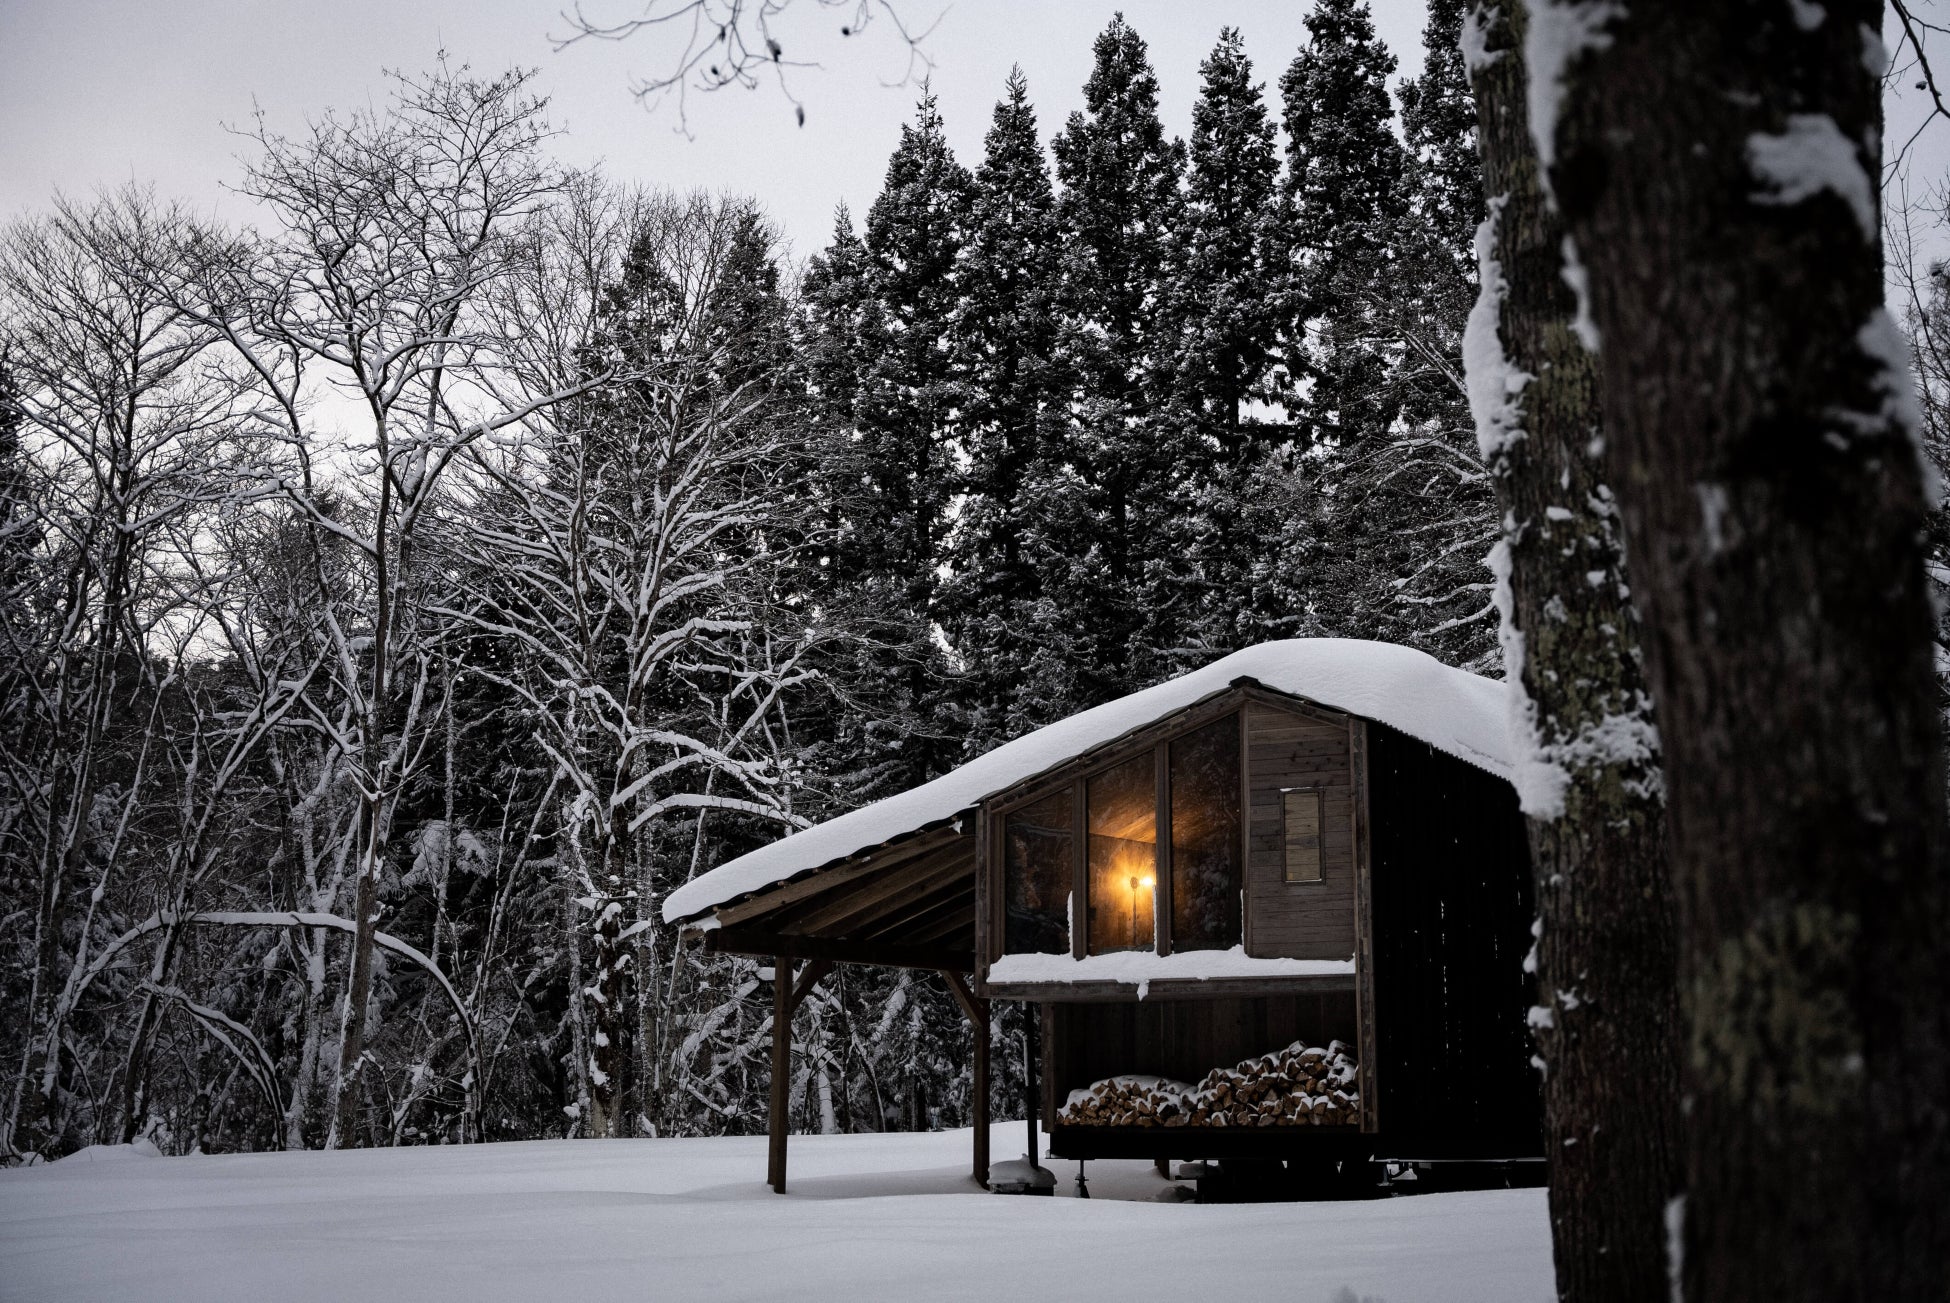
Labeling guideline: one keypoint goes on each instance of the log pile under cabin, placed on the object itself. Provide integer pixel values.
(1301, 1085)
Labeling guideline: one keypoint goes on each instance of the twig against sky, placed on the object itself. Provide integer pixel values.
(739, 43)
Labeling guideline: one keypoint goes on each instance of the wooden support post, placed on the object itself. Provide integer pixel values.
(781, 1070)
(1029, 1085)
(977, 1010)
(809, 978)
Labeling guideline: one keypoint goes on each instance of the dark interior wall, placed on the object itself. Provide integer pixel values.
(1453, 903)
(1183, 1039)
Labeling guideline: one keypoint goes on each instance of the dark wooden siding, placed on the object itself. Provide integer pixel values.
(1453, 903)
(1182, 1039)
(1304, 920)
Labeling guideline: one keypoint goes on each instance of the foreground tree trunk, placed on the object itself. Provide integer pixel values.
(1716, 167)
(1606, 1019)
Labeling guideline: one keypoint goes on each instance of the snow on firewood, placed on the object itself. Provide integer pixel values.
(1301, 1085)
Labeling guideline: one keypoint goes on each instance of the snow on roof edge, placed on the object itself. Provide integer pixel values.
(1462, 714)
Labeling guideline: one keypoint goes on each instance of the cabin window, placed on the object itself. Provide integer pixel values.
(1082, 866)
(1123, 865)
(1038, 876)
(1300, 832)
(1206, 878)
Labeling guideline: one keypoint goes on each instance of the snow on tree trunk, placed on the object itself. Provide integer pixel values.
(1588, 768)
(1716, 171)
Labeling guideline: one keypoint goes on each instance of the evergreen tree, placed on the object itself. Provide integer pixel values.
(1224, 328)
(881, 314)
(1426, 481)
(1216, 301)
(1111, 493)
(1439, 126)
(840, 330)
(1399, 507)
(1345, 205)
(1005, 340)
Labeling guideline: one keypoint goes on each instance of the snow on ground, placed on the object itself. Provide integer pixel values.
(868, 1218)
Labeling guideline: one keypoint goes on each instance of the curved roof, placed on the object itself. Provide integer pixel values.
(1454, 711)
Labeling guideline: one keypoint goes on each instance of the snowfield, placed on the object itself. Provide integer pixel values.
(868, 1218)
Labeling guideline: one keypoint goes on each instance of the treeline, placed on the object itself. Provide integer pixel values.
(401, 597)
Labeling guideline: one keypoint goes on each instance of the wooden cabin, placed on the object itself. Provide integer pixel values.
(1310, 845)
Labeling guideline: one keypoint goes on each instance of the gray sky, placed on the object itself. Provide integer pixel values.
(96, 92)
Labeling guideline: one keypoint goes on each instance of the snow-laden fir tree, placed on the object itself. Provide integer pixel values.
(1013, 426)
(1218, 362)
(1111, 487)
(894, 476)
(1345, 203)
(1376, 259)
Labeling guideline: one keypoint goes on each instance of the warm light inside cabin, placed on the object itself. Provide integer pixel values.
(1107, 834)
(1122, 806)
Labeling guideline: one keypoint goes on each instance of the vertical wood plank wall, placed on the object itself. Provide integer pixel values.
(1452, 900)
(1298, 920)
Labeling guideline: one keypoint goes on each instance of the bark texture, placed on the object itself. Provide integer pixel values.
(1716, 166)
(1606, 1019)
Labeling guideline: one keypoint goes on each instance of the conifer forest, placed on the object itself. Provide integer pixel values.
(402, 594)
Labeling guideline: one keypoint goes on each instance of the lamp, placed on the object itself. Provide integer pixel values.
(1148, 882)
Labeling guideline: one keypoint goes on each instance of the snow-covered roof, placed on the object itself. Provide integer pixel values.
(1454, 711)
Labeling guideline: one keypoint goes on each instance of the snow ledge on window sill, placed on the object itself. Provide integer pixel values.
(1141, 968)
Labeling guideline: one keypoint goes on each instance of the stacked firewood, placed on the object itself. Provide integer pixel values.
(1301, 1085)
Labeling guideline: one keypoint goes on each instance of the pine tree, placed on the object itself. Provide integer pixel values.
(1434, 264)
(1345, 204)
(1111, 492)
(1439, 128)
(1005, 339)
(840, 330)
(1379, 291)
(1216, 302)
(892, 477)
(1224, 330)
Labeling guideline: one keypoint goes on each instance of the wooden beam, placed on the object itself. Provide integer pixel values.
(1079, 870)
(741, 941)
(978, 1021)
(1106, 755)
(955, 895)
(833, 876)
(1292, 704)
(815, 970)
(1245, 831)
(1161, 888)
(986, 880)
(929, 920)
(860, 906)
(971, 1004)
(781, 1071)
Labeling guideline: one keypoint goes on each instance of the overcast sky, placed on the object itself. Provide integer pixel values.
(96, 92)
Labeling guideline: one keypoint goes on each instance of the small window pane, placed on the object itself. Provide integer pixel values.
(1300, 813)
(1123, 818)
(1037, 878)
(1205, 876)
